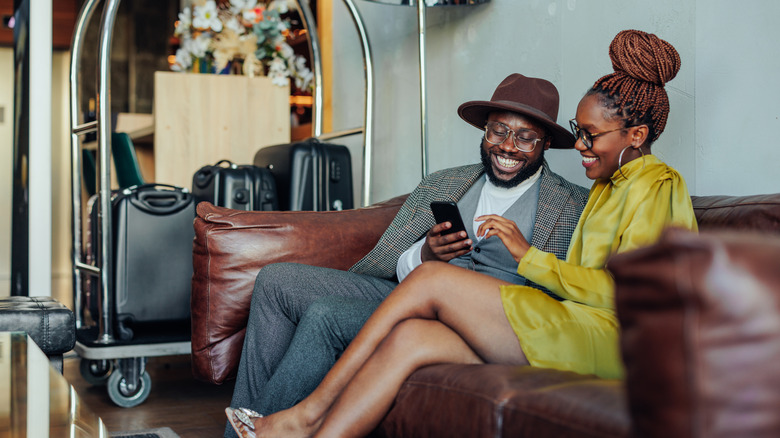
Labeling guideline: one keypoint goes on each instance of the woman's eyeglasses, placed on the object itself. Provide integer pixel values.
(586, 137)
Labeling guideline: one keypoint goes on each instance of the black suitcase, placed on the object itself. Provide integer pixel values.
(310, 175)
(243, 187)
(152, 236)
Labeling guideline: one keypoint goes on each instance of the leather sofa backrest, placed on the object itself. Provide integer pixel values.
(754, 212)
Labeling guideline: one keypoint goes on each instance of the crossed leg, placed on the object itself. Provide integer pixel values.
(440, 313)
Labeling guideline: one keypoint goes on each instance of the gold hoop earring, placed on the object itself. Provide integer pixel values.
(620, 160)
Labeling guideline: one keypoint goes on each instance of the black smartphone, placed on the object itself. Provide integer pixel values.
(447, 211)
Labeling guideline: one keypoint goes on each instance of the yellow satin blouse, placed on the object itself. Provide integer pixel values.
(623, 213)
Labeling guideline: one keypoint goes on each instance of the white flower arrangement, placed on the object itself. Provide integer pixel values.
(243, 36)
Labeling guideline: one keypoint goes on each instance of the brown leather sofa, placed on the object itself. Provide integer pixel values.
(700, 316)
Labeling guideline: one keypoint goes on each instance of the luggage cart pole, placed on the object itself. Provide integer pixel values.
(368, 68)
(368, 117)
(78, 129)
(307, 19)
(102, 126)
(104, 171)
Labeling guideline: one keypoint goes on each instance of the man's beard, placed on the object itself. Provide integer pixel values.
(530, 168)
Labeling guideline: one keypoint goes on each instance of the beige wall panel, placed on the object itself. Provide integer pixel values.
(203, 118)
(62, 239)
(6, 160)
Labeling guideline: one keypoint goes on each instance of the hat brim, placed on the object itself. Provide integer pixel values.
(476, 112)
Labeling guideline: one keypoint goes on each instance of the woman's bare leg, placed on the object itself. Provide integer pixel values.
(413, 343)
(468, 303)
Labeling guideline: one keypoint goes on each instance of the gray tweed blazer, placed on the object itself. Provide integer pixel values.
(559, 209)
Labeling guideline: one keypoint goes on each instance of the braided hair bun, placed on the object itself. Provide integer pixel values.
(643, 63)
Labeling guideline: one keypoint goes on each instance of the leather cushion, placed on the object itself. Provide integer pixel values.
(476, 401)
(700, 318)
(48, 322)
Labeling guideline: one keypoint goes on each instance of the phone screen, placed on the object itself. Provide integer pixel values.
(448, 212)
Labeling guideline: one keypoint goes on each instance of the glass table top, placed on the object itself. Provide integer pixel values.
(36, 400)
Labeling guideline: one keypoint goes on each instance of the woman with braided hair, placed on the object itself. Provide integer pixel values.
(444, 314)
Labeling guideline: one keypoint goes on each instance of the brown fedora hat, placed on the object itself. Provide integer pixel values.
(532, 97)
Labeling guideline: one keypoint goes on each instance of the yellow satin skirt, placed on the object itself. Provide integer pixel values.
(563, 335)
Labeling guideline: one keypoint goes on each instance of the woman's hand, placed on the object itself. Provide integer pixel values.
(444, 247)
(507, 231)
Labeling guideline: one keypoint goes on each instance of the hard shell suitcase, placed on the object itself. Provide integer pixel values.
(242, 187)
(152, 236)
(310, 175)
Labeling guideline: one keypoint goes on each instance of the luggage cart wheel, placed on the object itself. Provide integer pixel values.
(96, 372)
(131, 385)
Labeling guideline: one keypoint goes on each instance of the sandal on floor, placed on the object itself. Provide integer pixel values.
(241, 420)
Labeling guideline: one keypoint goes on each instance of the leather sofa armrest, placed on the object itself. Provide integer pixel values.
(231, 246)
(700, 334)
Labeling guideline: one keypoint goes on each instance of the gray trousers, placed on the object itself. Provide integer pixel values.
(301, 319)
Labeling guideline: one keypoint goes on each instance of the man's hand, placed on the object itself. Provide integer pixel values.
(444, 247)
(507, 231)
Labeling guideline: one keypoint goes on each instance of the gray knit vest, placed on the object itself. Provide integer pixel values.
(490, 256)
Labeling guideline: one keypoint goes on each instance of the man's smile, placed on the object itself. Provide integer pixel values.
(506, 165)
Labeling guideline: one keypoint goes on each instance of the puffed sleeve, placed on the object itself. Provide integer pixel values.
(648, 211)
(666, 204)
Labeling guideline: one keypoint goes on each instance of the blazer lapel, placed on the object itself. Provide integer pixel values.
(551, 205)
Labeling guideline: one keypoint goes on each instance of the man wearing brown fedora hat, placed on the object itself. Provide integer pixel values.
(302, 317)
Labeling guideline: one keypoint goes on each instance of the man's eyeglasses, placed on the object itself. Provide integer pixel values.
(524, 140)
(586, 137)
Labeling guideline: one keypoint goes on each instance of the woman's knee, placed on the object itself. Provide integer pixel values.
(432, 275)
(428, 284)
(430, 269)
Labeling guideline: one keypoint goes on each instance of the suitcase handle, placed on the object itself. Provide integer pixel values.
(230, 164)
(205, 174)
(159, 202)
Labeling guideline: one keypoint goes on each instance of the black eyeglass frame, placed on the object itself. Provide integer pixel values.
(515, 137)
(586, 137)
